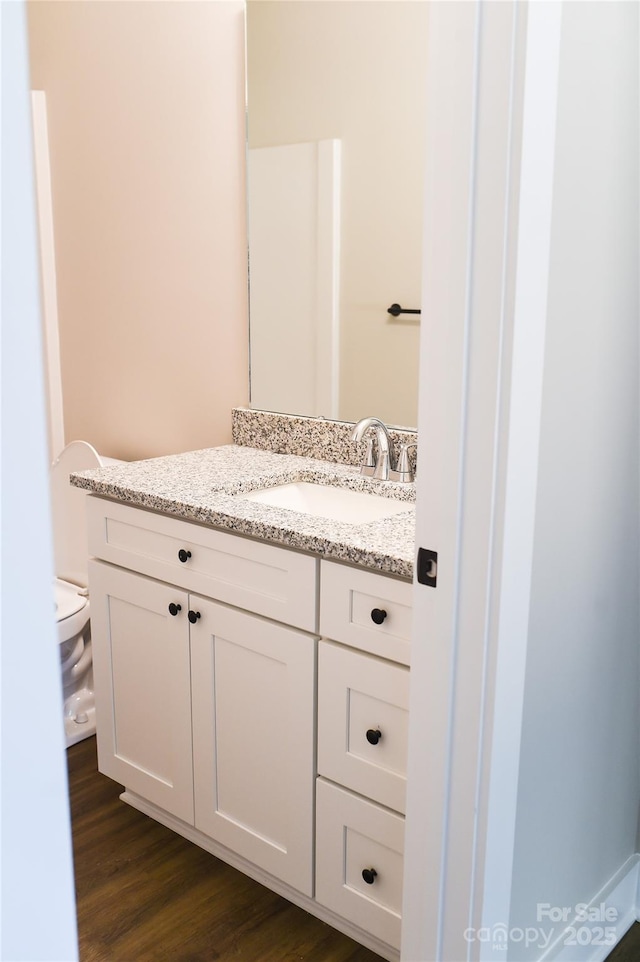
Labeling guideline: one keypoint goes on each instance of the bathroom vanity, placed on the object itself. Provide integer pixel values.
(253, 695)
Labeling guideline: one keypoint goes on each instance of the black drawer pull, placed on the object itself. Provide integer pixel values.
(174, 609)
(193, 616)
(184, 555)
(374, 735)
(369, 875)
(378, 615)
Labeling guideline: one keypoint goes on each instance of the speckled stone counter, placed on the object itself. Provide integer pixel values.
(308, 437)
(203, 486)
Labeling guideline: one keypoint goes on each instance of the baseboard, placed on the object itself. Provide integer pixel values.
(614, 908)
(248, 868)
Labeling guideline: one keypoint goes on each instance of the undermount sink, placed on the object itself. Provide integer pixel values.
(328, 501)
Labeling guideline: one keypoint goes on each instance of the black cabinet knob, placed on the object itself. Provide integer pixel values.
(184, 555)
(174, 609)
(378, 615)
(374, 736)
(369, 875)
(193, 616)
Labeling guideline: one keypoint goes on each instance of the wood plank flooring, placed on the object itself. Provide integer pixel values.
(628, 949)
(144, 894)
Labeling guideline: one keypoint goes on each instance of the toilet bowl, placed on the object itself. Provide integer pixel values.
(74, 640)
(68, 508)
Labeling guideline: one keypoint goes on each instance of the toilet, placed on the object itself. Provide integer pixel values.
(68, 508)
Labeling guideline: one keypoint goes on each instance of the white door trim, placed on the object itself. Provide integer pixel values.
(514, 575)
(484, 251)
(49, 292)
(452, 72)
(295, 276)
(328, 292)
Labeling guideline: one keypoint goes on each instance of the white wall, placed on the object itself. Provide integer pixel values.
(579, 782)
(37, 910)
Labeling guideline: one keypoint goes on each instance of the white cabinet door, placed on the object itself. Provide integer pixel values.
(253, 739)
(143, 686)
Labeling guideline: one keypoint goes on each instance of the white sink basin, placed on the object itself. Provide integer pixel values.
(328, 501)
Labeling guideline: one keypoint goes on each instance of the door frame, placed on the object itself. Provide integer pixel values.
(492, 76)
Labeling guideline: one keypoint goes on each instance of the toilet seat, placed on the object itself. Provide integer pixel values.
(72, 609)
(68, 601)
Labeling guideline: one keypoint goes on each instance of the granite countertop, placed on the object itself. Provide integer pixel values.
(201, 486)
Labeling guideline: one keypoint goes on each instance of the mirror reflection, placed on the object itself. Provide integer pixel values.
(336, 118)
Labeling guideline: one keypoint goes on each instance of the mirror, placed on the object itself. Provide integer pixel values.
(336, 135)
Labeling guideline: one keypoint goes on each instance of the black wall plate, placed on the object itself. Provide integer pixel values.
(427, 567)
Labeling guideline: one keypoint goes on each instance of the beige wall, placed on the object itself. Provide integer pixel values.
(146, 132)
(357, 71)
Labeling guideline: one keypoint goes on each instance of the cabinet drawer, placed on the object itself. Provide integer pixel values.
(363, 715)
(262, 578)
(352, 836)
(351, 600)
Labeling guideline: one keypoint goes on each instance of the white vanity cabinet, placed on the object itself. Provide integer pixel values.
(204, 710)
(228, 719)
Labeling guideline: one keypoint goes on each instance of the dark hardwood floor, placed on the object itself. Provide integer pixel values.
(144, 894)
(628, 949)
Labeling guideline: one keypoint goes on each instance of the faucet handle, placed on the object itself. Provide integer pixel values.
(368, 465)
(403, 471)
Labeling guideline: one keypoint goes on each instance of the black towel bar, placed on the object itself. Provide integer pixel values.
(395, 309)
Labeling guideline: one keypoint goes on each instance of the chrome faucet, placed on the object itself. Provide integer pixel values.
(378, 467)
